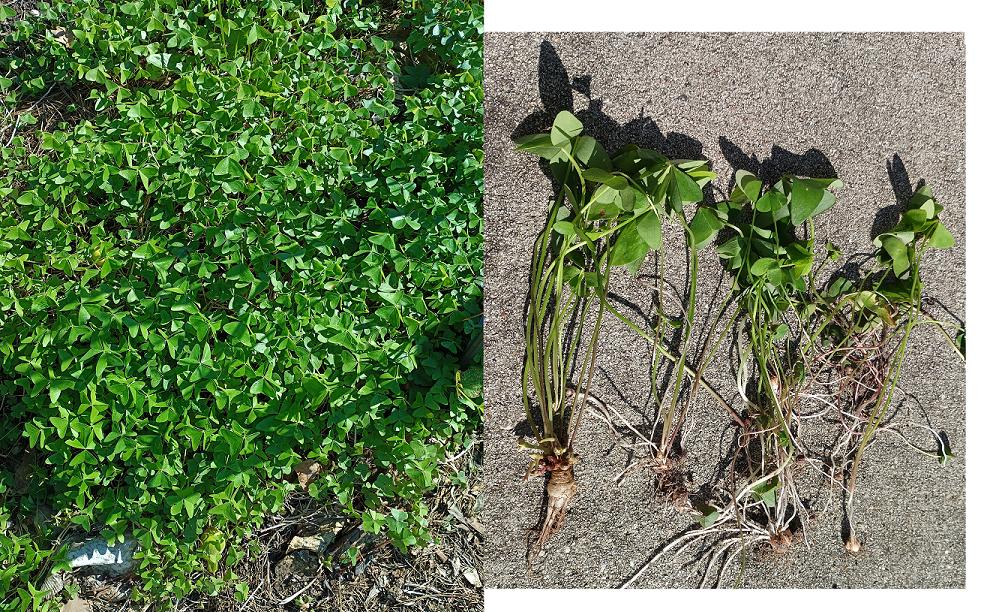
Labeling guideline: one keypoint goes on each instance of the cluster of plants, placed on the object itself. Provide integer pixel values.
(608, 213)
(830, 351)
(252, 237)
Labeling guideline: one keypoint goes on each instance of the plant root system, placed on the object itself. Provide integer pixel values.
(672, 481)
(559, 493)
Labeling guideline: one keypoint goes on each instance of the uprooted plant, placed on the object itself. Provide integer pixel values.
(670, 186)
(607, 214)
(770, 259)
(862, 334)
(842, 347)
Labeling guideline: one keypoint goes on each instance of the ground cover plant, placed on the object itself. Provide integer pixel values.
(608, 213)
(234, 236)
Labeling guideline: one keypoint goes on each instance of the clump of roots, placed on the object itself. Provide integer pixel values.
(737, 528)
(780, 541)
(760, 513)
(858, 371)
(559, 493)
(672, 481)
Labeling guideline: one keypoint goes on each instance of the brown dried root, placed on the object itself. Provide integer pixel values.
(781, 541)
(672, 483)
(560, 491)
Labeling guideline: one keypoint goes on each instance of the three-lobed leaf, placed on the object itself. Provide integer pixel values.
(941, 238)
(897, 250)
(683, 189)
(805, 198)
(748, 184)
(629, 247)
(649, 227)
(542, 146)
(592, 155)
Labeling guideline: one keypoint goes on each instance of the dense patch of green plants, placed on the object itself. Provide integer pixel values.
(253, 238)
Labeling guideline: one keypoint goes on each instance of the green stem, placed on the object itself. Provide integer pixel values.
(709, 354)
(673, 358)
(669, 420)
(594, 343)
(887, 392)
(659, 328)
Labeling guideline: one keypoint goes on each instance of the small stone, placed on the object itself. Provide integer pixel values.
(316, 543)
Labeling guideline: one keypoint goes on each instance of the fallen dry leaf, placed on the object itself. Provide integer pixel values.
(307, 471)
(63, 36)
(77, 605)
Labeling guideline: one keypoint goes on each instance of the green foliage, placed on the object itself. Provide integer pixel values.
(919, 227)
(256, 242)
(769, 261)
(708, 515)
(20, 555)
(767, 491)
(771, 258)
(893, 283)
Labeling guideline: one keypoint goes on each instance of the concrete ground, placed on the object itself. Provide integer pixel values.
(882, 111)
